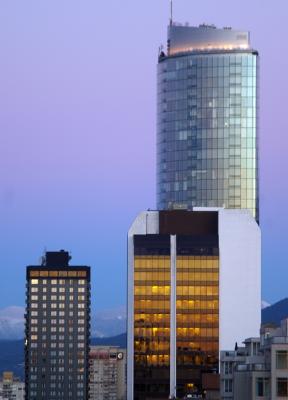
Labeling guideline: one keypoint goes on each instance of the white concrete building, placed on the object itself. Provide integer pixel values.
(259, 370)
(11, 388)
(107, 373)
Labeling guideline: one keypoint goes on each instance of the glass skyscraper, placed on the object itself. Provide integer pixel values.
(207, 153)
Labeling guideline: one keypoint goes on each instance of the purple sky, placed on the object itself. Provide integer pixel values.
(77, 131)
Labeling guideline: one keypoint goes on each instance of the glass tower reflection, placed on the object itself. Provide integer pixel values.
(207, 153)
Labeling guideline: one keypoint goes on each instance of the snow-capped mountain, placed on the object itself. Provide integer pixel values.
(264, 304)
(104, 323)
(12, 323)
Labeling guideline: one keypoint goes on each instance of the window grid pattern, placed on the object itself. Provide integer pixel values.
(197, 305)
(56, 333)
(207, 131)
(151, 324)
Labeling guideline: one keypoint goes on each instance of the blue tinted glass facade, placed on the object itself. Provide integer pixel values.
(207, 130)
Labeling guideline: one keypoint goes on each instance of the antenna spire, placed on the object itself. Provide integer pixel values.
(171, 12)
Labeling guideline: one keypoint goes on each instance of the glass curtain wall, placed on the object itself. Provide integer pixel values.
(152, 318)
(197, 309)
(207, 131)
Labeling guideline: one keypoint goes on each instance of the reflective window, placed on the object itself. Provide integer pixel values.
(207, 152)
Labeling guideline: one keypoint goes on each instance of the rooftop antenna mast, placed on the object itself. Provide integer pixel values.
(171, 12)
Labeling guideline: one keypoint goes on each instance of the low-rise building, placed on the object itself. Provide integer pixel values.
(259, 370)
(107, 373)
(11, 388)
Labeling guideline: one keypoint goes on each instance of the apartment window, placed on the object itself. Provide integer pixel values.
(262, 387)
(34, 289)
(228, 385)
(281, 359)
(34, 281)
(282, 387)
(34, 297)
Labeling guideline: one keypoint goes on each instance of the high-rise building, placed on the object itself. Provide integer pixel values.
(193, 290)
(57, 329)
(207, 153)
(107, 373)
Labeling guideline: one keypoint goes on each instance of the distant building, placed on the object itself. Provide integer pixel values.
(57, 329)
(107, 373)
(193, 288)
(259, 370)
(11, 388)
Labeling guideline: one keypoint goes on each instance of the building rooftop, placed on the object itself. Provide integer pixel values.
(185, 38)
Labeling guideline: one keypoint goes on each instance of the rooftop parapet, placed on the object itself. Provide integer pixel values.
(184, 39)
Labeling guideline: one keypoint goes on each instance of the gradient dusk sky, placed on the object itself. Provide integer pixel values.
(78, 131)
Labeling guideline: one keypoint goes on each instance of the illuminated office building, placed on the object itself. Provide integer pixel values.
(207, 153)
(192, 278)
(57, 329)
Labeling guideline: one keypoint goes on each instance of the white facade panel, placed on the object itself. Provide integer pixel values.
(240, 277)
